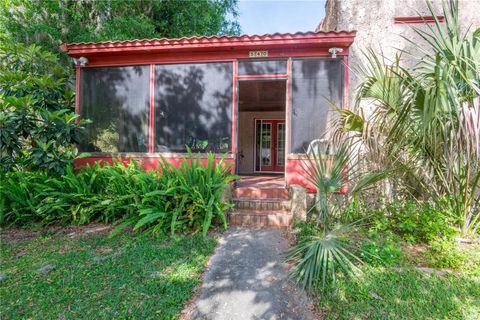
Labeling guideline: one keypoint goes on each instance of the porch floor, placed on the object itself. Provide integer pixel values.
(261, 182)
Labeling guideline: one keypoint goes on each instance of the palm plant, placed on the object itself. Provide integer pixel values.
(328, 251)
(425, 122)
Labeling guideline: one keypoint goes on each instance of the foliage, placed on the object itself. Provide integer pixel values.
(444, 253)
(381, 252)
(184, 199)
(190, 198)
(37, 122)
(51, 23)
(329, 173)
(321, 255)
(133, 276)
(385, 293)
(425, 122)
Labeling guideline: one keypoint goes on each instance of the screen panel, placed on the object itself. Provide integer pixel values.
(116, 100)
(313, 82)
(193, 107)
(260, 67)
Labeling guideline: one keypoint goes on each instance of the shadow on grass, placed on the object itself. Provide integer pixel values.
(382, 293)
(130, 276)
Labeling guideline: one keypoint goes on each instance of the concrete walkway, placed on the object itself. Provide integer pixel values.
(246, 280)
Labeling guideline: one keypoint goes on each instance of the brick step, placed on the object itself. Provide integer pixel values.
(270, 204)
(260, 193)
(260, 218)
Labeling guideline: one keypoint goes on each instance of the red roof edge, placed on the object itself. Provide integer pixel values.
(333, 38)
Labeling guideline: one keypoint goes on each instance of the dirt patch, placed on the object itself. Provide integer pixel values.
(102, 250)
(416, 253)
(18, 234)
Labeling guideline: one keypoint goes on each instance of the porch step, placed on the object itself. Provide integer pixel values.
(269, 204)
(253, 218)
(261, 193)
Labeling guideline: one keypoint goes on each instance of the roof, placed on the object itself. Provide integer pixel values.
(338, 38)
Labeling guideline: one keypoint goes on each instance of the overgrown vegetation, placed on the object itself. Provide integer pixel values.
(134, 276)
(423, 122)
(51, 23)
(405, 248)
(169, 199)
(38, 126)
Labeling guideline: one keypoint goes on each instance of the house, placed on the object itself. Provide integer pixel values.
(261, 100)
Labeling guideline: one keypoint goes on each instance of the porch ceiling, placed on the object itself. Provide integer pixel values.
(262, 95)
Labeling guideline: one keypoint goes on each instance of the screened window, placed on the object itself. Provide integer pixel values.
(313, 82)
(193, 107)
(116, 100)
(259, 67)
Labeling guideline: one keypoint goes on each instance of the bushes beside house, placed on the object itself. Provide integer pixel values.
(169, 199)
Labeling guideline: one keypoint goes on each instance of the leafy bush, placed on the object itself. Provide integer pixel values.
(419, 222)
(38, 126)
(383, 252)
(184, 199)
(445, 254)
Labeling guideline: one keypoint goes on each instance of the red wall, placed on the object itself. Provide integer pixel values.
(149, 163)
(295, 174)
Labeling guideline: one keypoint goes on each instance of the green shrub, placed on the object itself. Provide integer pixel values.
(38, 125)
(445, 254)
(190, 198)
(381, 252)
(184, 199)
(420, 222)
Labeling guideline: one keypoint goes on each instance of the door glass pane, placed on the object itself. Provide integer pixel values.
(266, 144)
(281, 144)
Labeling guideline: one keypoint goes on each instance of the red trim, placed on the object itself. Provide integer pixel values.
(345, 83)
(106, 60)
(204, 43)
(234, 111)
(77, 89)
(263, 76)
(288, 112)
(151, 129)
(418, 20)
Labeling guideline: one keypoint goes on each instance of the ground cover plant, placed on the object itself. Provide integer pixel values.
(398, 280)
(169, 199)
(93, 276)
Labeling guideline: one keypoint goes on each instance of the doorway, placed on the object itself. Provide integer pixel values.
(270, 145)
(261, 126)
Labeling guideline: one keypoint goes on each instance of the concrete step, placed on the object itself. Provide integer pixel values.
(260, 193)
(254, 218)
(270, 204)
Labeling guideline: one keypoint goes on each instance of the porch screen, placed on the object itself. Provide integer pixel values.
(259, 67)
(116, 99)
(193, 107)
(313, 82)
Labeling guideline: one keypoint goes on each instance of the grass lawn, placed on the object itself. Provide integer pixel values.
(383, 293)
(94, 277)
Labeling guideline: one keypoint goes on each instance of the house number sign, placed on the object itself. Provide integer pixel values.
(258, 54)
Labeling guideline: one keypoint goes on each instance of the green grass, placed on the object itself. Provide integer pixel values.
(383, 293)
(137, 276)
